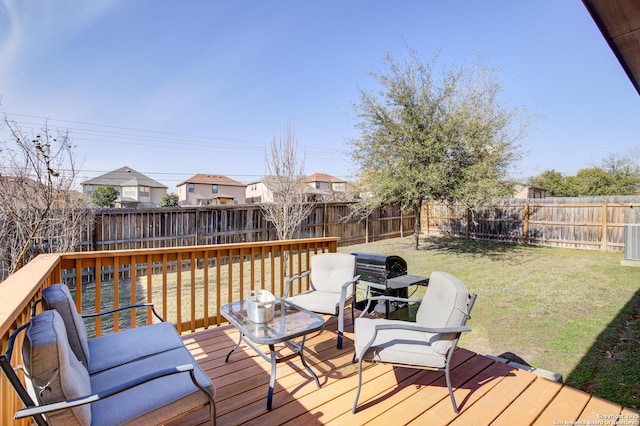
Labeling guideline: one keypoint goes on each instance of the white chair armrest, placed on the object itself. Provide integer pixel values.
(288, 282)
(413, 327)
(343, 290)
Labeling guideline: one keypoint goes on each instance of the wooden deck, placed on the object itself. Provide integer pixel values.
(488, 392)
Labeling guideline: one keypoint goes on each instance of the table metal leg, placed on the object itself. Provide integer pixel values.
(272, 379)
(300, 349)
(274, 360)
(235, 347)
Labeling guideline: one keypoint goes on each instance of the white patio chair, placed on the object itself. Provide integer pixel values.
(429, 342)
(333, 278)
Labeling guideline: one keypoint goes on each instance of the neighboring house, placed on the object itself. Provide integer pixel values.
(525, 192)
(134, 189)
(325, 187)
(260, 190)
(22, 191)
(318, 187)
(25, 192)
(205, 190)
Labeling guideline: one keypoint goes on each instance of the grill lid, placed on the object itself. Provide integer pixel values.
(375, 267)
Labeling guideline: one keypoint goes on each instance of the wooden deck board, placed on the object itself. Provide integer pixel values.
(530, 403)
(487, 392)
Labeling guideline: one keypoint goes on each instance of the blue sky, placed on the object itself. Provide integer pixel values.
(175, 88)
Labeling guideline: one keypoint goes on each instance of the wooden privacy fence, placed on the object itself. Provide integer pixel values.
(585, 223)
(121, 229)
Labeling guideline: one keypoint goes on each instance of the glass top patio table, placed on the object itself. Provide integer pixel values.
(289, 322)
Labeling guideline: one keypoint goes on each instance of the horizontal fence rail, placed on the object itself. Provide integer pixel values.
(187, 286)
(582, 223)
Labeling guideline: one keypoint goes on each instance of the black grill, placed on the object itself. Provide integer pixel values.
(384, 274)
(378, 268)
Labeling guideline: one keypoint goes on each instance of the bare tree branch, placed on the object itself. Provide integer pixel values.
(289, 206)
(39, 210)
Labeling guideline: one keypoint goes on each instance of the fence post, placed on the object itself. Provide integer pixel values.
(366, 229)
(427, 218)
(526, 224)
(197, 225)
(467, 233)
(324, 220)
(604, 227)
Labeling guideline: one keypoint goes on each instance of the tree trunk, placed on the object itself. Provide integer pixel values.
(417, 211)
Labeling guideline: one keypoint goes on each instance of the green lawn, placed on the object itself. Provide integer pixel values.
(573, 312)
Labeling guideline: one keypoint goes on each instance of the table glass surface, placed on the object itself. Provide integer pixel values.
(288, 321)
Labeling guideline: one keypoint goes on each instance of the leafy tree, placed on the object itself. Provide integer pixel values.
(439, 136)
(617, 175)
(40, 212)
(169, 200)
(554, 182)
(594, 181)
(624, 171)
(104, 196)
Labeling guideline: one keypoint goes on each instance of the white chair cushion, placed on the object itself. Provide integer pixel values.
(317, 301)
(397, 346)
(444, 305)
(329, 271)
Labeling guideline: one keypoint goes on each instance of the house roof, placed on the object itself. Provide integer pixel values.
(322, 177)
(124, 176)
(619, 23)
(213, 180)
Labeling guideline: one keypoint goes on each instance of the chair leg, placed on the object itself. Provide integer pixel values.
(448, 379)
(212, 413)
(355, 402)
(340, 326)
(353, 318)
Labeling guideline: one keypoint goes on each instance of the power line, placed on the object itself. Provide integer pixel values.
(148, 138)
(47, 119)
(119, 135)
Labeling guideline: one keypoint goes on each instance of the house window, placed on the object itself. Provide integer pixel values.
(130, 191)
(144, 191)
(214, 188)
(317, 185)
(338, 186)
(191, 187)
(88, 189)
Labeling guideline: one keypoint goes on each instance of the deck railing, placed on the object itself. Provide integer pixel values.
(186, 284)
